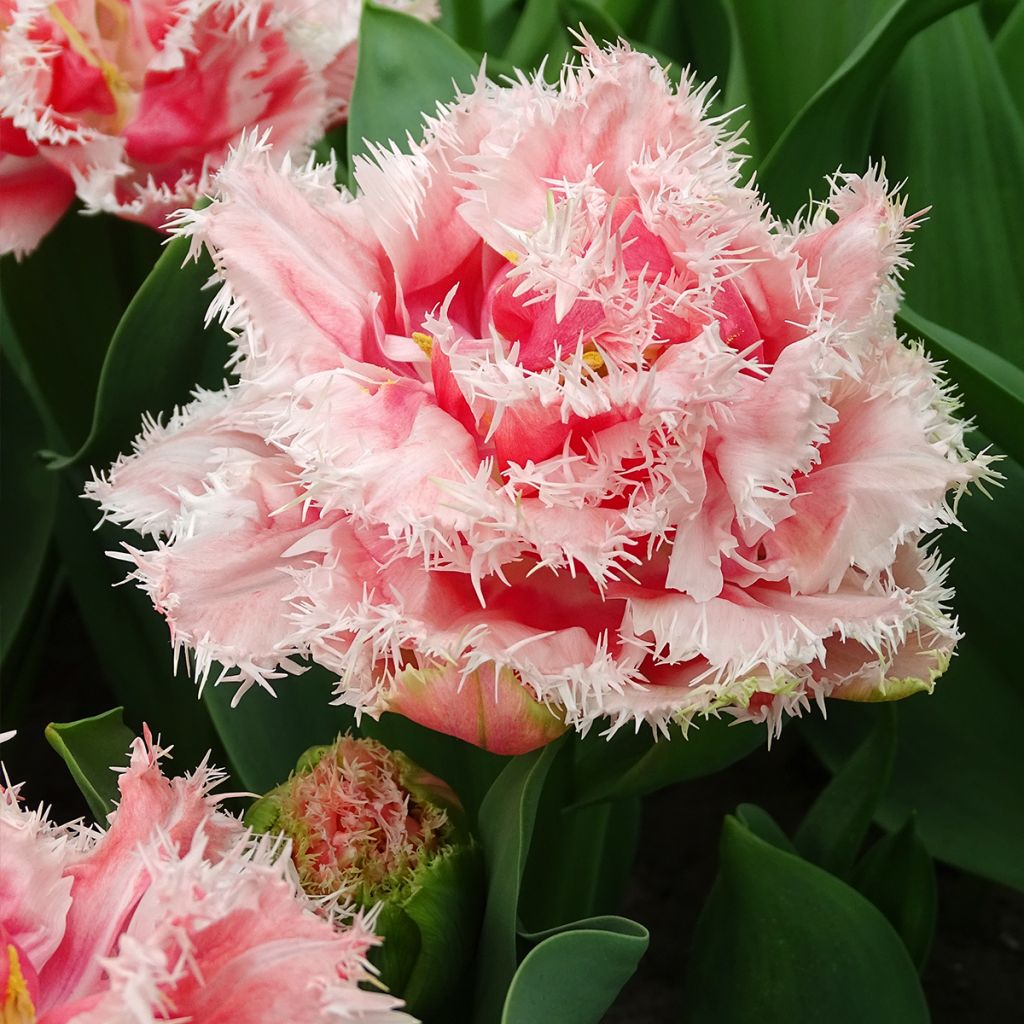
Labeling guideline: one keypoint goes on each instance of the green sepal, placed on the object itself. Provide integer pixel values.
(430, 934)
(263, 814)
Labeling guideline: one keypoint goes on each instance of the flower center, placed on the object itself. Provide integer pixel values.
(113, 28)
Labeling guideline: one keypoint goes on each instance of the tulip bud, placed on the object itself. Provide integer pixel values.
(371, 827)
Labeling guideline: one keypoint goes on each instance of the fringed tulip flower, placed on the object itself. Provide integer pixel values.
(368, 826)
(175, 912)
(132, 104)
(554, 423)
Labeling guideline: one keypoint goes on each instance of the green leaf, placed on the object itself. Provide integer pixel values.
(833, 128)
(958, 754)
(580, 859)
(538, 29)
(264, 735)
(1010, 52)
(28, 507)
(505, 830)
(92, 748)
(898, 876)
(780, 940)
(782, 71)
(833, 829)
(573, 974)
(632, 764)
(159, 353)
(597, 21)
(958, 139)
(992, 387)
(695, 35)
(467, 22)
(64, 302)
(764, 826)
(405, 68)
(132, 644)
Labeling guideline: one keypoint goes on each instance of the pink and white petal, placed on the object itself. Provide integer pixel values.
(856, 258)
(35, 894)
(853, 672)
(110, 878)
(701, 541)
(413, 198)
(235, 940)
(298, 260)
(772, 429)
(223, 583)
(774, 288)
(883, 475)
(225, 596)
(381, 449)
(765, 625)
(34, 194)
(666, 694)
(606, 113)
(490, 707)
(148, 490)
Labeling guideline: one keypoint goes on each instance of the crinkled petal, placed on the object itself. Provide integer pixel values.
(33, 197)
(110, 878)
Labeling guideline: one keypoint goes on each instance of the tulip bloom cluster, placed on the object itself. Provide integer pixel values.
(133, 104)
(554, 423)
(175, 912)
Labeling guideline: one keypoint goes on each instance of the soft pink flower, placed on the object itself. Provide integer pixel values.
(174, 912)
(132, 103)
(555, 419)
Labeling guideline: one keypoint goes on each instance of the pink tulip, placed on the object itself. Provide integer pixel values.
(174, 912)
(553, 423)
(132, 103)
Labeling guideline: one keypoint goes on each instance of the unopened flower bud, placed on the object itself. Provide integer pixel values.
(369, 826)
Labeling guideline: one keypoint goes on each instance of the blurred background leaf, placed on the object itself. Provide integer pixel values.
(833, 129)
(898, 876)
(632, 763)
(958, 762)
(958, 139)
(27, 510)
(834, 828)
(64, 303)
(405, 68)
(156, 358)
(991, 386)
(781, 940)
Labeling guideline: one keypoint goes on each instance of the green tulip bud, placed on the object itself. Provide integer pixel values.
(369, 826)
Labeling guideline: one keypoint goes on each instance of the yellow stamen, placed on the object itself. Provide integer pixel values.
(119, 89)
(594, 360)
(511, 255)
(17, 1008)
(425, 342)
